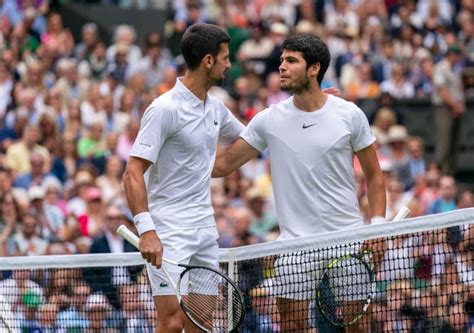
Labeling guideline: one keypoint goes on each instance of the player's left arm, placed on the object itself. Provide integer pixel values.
(375, 180)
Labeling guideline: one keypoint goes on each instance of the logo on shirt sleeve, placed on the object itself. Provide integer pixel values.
(146, 145)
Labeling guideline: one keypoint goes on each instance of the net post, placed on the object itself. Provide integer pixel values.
(231, 273)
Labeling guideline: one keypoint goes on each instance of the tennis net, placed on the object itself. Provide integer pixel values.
(418, 275)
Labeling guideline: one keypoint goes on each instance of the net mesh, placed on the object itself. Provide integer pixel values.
(422, 281)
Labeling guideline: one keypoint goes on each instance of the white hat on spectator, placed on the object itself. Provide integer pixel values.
(54, 183)
(279, 28)
(36, 192)
(97, 301)
(304, 26)
(397, 133)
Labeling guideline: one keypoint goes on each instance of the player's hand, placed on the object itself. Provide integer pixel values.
(151, 248)
(332, 91)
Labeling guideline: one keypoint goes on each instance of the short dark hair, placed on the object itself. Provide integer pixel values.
(199, 40)
(313, 49)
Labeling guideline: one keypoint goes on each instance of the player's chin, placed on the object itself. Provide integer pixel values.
(285, 86)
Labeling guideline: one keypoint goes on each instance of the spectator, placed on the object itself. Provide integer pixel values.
(69, 85)
(50, 218)
(399, 155)
(89, 38)
(110, 183)
(133, 308)
(397, 86)
(47, 316)
(65, 158)
(363, 85)
(96, 61)
(73, 121)
(92, 109)
(119, 66)
(126, 139)
(253, 51)
(263, 222)
(124, 39)
(447, 195)
(83, 179)
(6, 86)
(91, 221)
(152, 65)
(38, 174)
(416, 149)
(108, 279)
(91, 148)
(170, 75)
(274, 92)
(9, 216)
(100, 314)
(27, 241)
(241, 234)
(448, 99)
(115, 120)
(18, 154)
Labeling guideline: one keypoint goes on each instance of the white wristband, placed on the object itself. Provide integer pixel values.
(143, 222)
(377, 220)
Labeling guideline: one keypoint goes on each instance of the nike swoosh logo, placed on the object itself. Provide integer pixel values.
(306, 126)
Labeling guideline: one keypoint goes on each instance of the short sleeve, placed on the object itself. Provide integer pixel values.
(362, 136)
(439, 79)
(231, 127)
(255, 132)
(155, 128)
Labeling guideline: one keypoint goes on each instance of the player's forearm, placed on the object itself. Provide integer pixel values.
(135, 191)
(221, 167)
(376, 194)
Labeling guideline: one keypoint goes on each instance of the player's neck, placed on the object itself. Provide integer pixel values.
(310, 100)
(197, 84)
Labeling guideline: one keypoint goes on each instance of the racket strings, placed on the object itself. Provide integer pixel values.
(345, 291)
(210, 300)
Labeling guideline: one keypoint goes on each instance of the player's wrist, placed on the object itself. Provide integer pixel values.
(144, 222)
(377, 219)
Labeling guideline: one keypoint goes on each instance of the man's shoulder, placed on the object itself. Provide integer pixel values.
(164, 102)
(340, 104)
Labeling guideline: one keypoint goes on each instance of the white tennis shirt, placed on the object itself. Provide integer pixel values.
(312, 163)
(179, 134)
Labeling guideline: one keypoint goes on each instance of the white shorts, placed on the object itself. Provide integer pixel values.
(298, 274)
(185, 246)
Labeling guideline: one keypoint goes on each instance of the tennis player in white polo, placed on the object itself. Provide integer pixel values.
(312, 138)
(167, 179)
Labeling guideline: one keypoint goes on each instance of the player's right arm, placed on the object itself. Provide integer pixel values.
(233, 157)
(135, 191)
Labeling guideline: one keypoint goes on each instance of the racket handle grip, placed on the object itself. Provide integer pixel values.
(403, 213)
(128, 235)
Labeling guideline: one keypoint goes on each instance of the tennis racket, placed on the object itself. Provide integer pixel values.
(210, 299)
(347, 285)
(6, 315)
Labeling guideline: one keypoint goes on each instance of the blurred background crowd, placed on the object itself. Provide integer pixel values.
(70, 108)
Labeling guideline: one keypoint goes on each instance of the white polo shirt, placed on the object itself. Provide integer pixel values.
(179, 134)
(312, 163)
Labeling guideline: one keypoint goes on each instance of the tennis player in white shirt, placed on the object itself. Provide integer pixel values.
(312, 138)
(167, 179)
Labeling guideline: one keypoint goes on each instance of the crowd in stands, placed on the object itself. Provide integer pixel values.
(70, 109)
